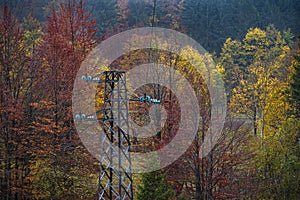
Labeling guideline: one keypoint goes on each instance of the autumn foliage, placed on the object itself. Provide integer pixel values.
(37, 74)
(42, 157)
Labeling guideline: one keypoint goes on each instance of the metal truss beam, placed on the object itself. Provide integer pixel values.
(115, 179)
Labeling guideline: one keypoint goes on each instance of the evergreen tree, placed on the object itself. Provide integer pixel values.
(154, 187)
(210, 22)
(295, 85)
(104, 11)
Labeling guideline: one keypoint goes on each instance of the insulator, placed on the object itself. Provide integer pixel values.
(83, 78)
(90, 78)
(142, 99)
(77, 116)
(83, 116)
(155, 101)
(148, 99)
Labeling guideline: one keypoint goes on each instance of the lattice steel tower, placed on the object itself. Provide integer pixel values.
(115, 179)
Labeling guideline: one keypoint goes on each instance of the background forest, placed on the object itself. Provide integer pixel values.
(255, 45)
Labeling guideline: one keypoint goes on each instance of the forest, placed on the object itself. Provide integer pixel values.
(255, 47)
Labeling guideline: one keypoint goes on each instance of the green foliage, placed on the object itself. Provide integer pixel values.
(288, 36)
(105, 13)
(23, 9)
(183, 197)
(277, 163)
(210, 22)
(260, 92)
(202, 21)
(295, 84)
(140, 13)
(154, 186)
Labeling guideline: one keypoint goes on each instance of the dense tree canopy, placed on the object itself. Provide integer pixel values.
(204, 20)
(43, 43)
